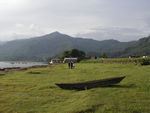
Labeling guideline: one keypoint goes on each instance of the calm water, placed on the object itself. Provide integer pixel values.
(20, 64)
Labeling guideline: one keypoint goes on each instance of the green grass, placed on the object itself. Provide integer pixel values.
(26, 92)
(141, 61)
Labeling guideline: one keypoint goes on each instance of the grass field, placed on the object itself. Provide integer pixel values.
(138, 61)
(34, 90)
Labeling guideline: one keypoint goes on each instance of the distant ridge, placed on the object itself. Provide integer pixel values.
(140, 48)
(52, 45)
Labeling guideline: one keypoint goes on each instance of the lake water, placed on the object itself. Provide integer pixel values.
(20, 64)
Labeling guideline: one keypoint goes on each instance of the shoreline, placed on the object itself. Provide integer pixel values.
(14, 69)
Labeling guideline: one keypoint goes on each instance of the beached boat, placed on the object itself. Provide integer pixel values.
(91, 84)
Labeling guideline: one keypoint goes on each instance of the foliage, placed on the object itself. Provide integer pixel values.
(103, 55)
(141, 61)
(140, 48)
(73, 53)
(24, 92)
(65, 54)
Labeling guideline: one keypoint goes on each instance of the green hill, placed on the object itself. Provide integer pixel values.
(40, 48)
(140, 48)
(52, 45)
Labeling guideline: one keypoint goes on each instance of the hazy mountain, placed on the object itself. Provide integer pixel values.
(1, 42)
(50, 45)
(140, 48)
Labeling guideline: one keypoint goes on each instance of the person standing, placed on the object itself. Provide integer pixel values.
(69, 64)
(73, 65)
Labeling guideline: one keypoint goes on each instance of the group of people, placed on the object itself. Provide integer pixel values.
(71, 65)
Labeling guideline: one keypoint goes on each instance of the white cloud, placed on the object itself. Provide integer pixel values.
(38, 17)
(117, 33)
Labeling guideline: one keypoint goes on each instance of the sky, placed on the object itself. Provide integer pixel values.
(123, 20)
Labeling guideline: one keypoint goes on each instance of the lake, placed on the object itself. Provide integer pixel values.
(11, 64)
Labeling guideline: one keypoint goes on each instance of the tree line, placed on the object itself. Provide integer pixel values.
(78, 54)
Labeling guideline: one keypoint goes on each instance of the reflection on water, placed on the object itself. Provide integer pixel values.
(20, 64)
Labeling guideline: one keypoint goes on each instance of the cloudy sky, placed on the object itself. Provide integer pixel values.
(124, 20)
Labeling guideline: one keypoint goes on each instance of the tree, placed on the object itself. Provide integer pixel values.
(103, 55)
(73, 53)
(65, 54)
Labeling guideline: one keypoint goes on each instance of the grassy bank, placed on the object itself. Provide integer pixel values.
(141, 61)
(34, 90)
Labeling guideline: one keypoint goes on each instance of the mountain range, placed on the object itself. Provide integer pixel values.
(52, 45)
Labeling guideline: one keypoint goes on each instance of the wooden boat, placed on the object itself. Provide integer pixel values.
(91, 84)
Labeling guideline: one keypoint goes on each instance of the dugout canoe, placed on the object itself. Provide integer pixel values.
(91, 84)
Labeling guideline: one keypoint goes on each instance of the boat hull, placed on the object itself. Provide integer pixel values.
(91, 84)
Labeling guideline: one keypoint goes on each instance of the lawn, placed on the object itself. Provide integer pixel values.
(34, 90)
